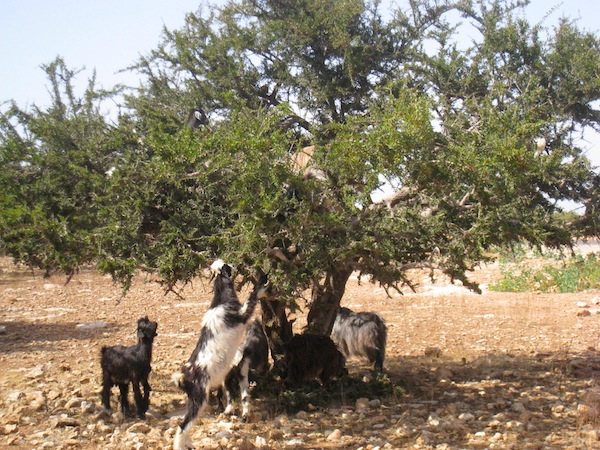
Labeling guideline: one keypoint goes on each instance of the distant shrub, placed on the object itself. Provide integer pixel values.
(575, 275)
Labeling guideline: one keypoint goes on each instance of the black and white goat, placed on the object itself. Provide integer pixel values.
(196, 118)
(362, 334)
(311, 356)
(123, 365)
(222, 333)
(253, 362)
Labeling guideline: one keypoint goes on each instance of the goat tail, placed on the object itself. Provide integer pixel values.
(179, 379)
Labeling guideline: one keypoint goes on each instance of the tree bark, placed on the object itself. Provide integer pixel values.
(277, 326)
(326, 299)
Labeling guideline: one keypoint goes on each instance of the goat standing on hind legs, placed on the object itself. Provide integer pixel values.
(223, 329)
(123, 365)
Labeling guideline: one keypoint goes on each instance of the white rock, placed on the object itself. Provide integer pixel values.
(91, 325)
(496, 437)
(139, 427)
(433, 421)
(8, 429)
(13, 397)
(36, 372)
(73, 403)
(335, 435)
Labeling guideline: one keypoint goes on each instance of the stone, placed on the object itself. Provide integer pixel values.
(91, 325)
(63, 421)
(362, 404)
(375, 403)
(433, 352)
(36, 372)
(223, 434)
(335, 435)
(139, 427)
(8, 429)
(73, 403)
(254, 417)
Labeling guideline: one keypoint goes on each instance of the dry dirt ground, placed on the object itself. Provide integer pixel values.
(496, 370)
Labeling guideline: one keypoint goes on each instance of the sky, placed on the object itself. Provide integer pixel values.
(109, 35)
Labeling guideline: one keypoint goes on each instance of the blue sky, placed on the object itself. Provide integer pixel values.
(109, 35)
(105, 35)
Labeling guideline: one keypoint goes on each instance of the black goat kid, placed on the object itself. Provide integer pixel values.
(222, 332)
(123, 365)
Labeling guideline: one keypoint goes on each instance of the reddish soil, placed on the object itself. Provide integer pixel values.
(497, 370)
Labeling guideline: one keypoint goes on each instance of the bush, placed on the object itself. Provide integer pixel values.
(575, 275)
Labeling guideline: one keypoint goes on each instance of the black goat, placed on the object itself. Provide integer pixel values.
(123, 365)
(253, 357)
(222, 333)
(362, 334)
(310, 356)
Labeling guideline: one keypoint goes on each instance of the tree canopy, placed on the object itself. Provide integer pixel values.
(469, 146)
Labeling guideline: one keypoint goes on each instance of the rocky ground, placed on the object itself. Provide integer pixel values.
(474, 371)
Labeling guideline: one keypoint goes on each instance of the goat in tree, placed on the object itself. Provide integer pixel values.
(196, 118)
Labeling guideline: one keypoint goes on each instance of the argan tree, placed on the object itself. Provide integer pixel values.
(468, 145)
(54, 162)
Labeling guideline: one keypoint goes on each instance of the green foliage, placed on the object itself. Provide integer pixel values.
(575, 275)
(54, 163)
(386, 103)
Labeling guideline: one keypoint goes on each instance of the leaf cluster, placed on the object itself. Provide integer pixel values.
(395, 107)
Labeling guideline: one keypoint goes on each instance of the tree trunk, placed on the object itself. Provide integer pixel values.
(277, 326)
(326, 299)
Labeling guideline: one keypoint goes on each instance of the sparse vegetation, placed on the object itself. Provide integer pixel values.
(575, 274)
(509, 371)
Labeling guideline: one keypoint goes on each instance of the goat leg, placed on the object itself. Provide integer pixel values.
(147, 390)
(106, 394)
(139, 400)
(124, 388)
